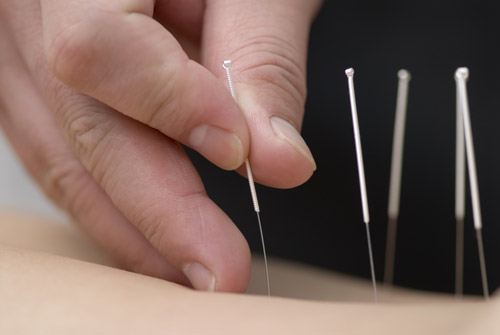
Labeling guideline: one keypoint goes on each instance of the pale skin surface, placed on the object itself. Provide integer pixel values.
(46, 294)
(95, 97)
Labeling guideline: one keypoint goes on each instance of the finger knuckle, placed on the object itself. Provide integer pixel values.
(268, 61)
(149, 223)
(69, 52)
(63, 179)
(88, 130)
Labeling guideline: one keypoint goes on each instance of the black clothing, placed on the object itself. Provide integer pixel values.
(321, 222)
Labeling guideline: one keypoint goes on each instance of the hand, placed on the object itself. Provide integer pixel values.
(95, 95)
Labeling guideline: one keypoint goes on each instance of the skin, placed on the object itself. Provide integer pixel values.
(108, 93)
(61, 295)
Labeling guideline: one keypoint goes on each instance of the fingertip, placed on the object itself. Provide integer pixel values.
(236, 273)
(218, 130)
(230, 257)
(279, 155)
(284, 169)
(223, 147)
(284, 130)
(206, 246)
(200, 277)
(228, 273)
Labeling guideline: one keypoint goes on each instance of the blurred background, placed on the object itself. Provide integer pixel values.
(17, 190)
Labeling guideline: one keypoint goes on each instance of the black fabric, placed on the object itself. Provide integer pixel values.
(321, 222)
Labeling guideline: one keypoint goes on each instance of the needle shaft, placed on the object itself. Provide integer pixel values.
(462, 75)
(227, 66)
(268, 285)
(372, 265)
(396, 170)
(361, 173)
(459, 194)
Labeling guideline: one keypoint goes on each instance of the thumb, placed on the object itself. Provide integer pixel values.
(267, 43)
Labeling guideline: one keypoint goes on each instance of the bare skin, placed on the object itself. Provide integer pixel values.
(49, 294)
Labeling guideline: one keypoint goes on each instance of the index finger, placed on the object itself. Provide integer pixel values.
(115, 52)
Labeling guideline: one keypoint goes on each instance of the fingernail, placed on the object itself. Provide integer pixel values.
(285, 130)
(199, 276)
(222, 147)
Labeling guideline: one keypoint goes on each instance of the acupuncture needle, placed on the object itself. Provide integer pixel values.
(361, 174)
(462, 74)
(395, 179)
(227, 66)
(459, 194)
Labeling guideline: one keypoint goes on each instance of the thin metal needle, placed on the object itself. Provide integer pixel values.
(227, 66)
(361, 173)
(462, 75)
(459, 195)
(395, 181)
(265, 255)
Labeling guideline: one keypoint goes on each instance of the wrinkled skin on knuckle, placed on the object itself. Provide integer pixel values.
(148, 222)
(83, 130)
(266, 60)
(88, 129)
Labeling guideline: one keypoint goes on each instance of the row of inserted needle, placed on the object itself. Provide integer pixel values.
(464, 149)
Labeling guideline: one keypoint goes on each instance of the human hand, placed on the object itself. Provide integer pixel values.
(94, 96)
